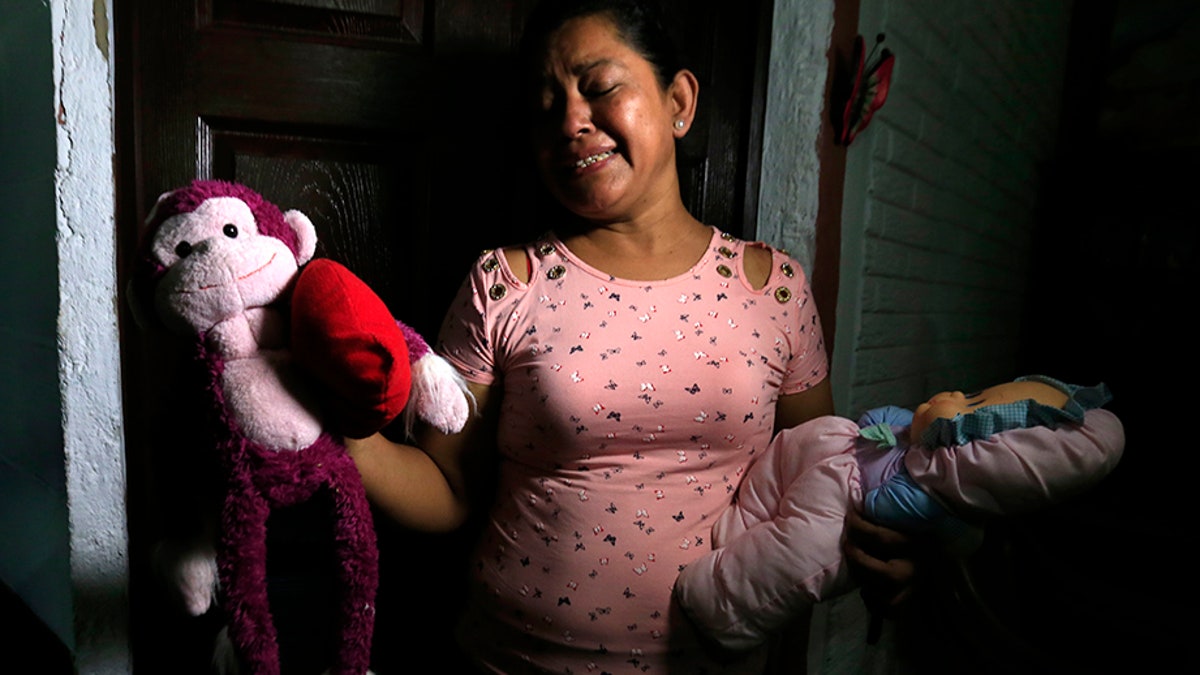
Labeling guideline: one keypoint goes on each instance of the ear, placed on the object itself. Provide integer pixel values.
(306, 235)
(683, 95)
(154, 209)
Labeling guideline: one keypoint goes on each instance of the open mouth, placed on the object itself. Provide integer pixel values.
(588, 161)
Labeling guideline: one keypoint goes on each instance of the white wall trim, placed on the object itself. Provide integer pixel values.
(89, 344)
(801, 31)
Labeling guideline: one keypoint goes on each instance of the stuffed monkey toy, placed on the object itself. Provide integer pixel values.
(219, 265)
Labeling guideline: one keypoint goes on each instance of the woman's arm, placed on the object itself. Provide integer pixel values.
(431, 488)
(794, 409)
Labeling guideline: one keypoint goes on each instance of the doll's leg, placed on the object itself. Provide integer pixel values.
(243, 568)
(739, 594)
(358, 560)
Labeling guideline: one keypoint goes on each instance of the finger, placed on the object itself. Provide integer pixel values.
(895, 570)
(876, 537)
(900, 598)
(881, 607)
(885, 601)
(875, 628)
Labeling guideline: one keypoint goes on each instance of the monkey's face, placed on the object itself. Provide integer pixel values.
(218, 265)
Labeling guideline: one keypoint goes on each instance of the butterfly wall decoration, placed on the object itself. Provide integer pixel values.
(861, 89)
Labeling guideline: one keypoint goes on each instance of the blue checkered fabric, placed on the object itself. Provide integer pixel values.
(990, 420)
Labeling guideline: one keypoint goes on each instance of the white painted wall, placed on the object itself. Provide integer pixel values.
(88, 345)
(62, 469)
(801, 32)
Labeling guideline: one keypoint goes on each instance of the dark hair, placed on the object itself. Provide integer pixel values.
(639, 23)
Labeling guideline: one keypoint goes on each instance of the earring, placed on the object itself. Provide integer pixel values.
(678, 124)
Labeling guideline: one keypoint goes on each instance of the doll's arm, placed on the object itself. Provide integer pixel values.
(440, 395)
(780, 539)
(371, 365)
(1020, 470)
(190, 569)
(248, 333)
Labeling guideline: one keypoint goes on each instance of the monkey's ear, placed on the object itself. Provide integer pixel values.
(154, 209)
(306, 235)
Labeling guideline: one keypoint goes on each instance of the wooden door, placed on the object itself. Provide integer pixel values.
(390, 123)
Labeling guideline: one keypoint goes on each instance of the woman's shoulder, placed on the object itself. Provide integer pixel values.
(762, 263)
(521, 261)
(518, 260)
(758, 263)
(512, 262)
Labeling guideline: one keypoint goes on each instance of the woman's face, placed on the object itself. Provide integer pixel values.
(603, 133)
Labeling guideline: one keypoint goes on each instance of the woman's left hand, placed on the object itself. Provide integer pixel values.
(883, 561)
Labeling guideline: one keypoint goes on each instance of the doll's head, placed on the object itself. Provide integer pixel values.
(952, 418)
(213, 249)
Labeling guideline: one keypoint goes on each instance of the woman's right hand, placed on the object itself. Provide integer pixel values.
(432, 487)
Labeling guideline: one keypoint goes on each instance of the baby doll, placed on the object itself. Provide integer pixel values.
(1010, 449)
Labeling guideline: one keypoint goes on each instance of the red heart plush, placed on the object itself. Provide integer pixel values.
(344, 335)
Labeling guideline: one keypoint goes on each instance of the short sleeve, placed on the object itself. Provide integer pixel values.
(467, 337)
(809, 363)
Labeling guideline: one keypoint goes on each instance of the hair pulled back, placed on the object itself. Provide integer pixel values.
(639, 23)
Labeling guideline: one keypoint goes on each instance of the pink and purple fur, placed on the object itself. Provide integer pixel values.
(217, 258)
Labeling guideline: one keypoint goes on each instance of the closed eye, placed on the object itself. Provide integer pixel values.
(599, 92)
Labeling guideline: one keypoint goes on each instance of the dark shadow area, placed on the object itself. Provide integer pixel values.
(1093, 585)
(26, 637)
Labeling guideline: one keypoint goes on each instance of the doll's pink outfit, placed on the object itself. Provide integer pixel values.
(778, 548)
(630, 410)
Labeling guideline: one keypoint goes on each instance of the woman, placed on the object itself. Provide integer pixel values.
(627, 369)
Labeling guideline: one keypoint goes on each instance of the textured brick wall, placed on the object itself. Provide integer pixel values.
(941, 192)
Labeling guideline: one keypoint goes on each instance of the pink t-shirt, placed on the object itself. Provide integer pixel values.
(629, 411)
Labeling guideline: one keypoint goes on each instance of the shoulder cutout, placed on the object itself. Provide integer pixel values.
(756, 264)
(518, 262)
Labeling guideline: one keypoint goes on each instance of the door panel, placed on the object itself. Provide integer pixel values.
(349, 187)
(392, 20)
(391, 124)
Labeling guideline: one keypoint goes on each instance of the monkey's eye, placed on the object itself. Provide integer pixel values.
(230, 230)
(183, 249)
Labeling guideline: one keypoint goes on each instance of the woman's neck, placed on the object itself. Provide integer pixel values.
(649, 248)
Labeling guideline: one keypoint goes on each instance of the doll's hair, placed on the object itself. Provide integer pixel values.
(988, 420)
(267, 215)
